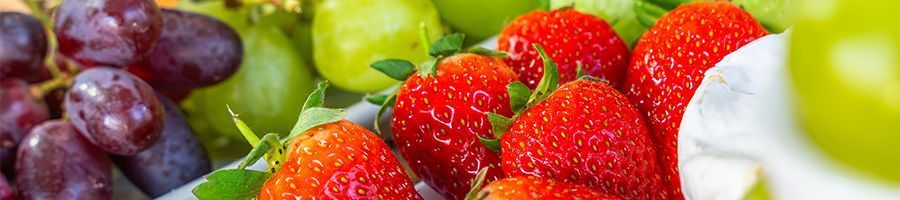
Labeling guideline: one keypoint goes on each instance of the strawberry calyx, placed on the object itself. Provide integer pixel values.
(401, 70)
(648, 13)
(242, 183)
(476, 184)
(521, 98)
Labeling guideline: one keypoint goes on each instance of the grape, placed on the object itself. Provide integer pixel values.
(115, 110)
(268, 91)
(348, 35)
(480, 19)
(6, 190)
(56, 162)
(107, 32)
(193, 51)
(23, 46)
(177, 158)
(19, 111)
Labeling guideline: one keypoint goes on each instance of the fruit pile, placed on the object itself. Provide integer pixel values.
(98, 90)
(574, 99)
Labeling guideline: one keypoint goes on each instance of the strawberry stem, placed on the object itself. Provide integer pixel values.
(423, 38)
(245, 130)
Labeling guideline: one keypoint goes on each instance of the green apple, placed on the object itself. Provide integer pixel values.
(480, 19)
(620, 14)
(845, 65)
(348, 35)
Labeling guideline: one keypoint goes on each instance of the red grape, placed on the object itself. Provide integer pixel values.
(6, 190)
(193, 51)
(115, 110)
(56, 162)
(19, 111)
(23, 46)
(107, 32)
(177, 158)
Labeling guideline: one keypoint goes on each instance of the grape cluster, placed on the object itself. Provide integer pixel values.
(102, 97)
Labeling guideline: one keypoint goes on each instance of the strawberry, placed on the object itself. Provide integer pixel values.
(669, 61)
(574, 40)
(440, 114)
(530, 187)
(585, 132)
(326, 157)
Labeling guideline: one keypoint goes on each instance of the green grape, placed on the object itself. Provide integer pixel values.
(845, 65)
(234, 17)
(480, 19)
(267, 91)
(348, 35)
(772, 14)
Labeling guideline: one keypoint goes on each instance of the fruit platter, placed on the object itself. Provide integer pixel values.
(449, 99)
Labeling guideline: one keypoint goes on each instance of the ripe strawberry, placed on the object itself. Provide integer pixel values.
(339, 160)
(440, 113)
(669, 61)
(530, 187)
(573, 39)
(327, 158)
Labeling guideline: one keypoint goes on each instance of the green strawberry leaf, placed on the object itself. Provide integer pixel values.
(487, 52)
(518, 96)
(313, 117)
(500, 123)
(579, 71)
(447, 45)
(231, 184)
(429, 68)
(548, 82)
(377, 99)
(492, 144)
(395, 68)
(387, 103)
(648, 13)
(317, 97)
(477, 183)
(257, 152)
(245, 130)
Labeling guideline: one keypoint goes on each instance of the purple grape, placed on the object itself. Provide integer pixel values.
(56, 162)
(176, 159)
(6, 190)
(115, 110)
(107, 32)
(23, 46)
(193, 51)
(19, 111)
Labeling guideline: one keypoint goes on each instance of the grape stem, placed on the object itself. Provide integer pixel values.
(42, 89)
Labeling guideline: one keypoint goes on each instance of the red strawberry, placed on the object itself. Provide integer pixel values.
(530, 187)
(669, 61)
(327, 158)
(586, 132)
(437, 120)
(339, 160)
(572, 38)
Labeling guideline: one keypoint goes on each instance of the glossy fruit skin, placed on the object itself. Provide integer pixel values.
(339, 160)
(6, 190)
(437, 119)
(620, 14)
(530, 187)
(19, 112)
(107, 32)
(56, 162)
(24, 46)
(193, 51)
(174, 160)
(268, 90)
(348, 35)
(668, 64)
(585, 132)
(115, 110)
(843, 67)
(480, 20)
(570, 37)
